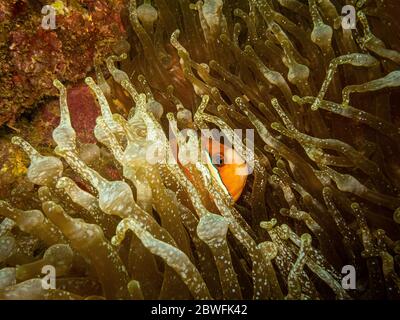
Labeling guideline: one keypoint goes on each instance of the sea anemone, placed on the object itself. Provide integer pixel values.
(318, 191)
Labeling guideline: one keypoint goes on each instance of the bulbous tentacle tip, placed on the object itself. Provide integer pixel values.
(396, 216)
(16, 140)
(58, 84)
(89, 81)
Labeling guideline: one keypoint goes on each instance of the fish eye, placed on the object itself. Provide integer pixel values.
(217, 160)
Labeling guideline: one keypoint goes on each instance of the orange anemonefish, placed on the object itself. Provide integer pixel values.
(226, 166)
